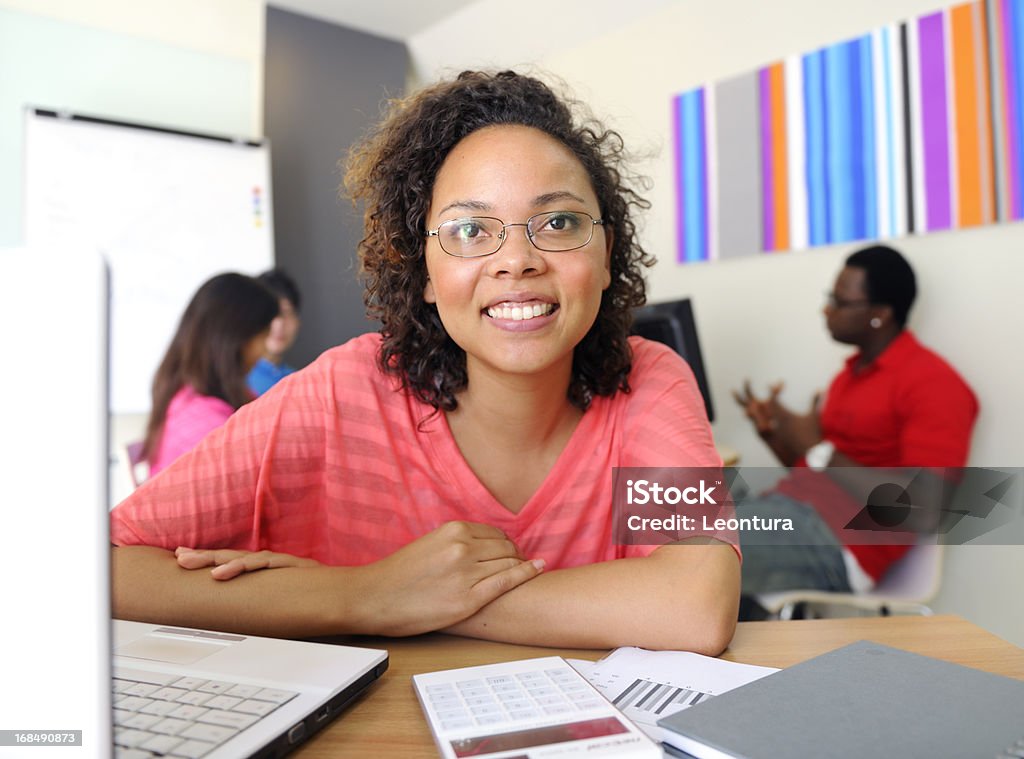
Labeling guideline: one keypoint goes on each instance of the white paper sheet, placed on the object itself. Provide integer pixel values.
(648, 685)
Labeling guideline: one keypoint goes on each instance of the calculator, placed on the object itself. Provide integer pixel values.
(525, 710)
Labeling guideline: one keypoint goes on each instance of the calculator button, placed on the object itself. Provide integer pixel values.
(590, 704)
(444, 698)
(559, 709)
(543, 690)
(526, 677)
(457, 724)
(463, 684)
(500, 680)
(519, 704)
(509, 687)
(525, 713)
(476, 711)
(442, 688)
(476, 693)
(451, 714)
(580, 695)
(490, 719)
(481, 701)
(510, 696)
(550, 700)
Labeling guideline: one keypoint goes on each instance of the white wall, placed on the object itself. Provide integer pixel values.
(190, 64)
(760, 318)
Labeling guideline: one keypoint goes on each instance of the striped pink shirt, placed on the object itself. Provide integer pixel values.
(190, 417)
(337, 463)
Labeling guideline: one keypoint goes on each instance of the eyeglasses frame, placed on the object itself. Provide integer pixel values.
(503, 235)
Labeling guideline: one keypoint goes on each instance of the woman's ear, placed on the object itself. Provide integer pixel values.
(609, 235)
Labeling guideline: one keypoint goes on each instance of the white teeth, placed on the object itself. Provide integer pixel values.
(520, 312)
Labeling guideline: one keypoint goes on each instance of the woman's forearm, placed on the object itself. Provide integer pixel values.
(681, 597)
(149, 586)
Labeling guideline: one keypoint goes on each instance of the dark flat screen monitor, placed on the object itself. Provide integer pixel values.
(672, 324)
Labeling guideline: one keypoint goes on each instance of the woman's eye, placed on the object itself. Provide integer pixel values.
(563, 222)
(467, 230)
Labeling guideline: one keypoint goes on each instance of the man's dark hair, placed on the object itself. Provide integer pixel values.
(889, 279)
(282, 285)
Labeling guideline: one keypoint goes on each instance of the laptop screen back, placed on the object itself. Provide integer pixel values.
(53, 466)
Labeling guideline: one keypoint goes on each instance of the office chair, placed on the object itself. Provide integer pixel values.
(133, 458)
(906, 588)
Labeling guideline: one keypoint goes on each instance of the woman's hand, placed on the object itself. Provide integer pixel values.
(444, 577)
(228, 563)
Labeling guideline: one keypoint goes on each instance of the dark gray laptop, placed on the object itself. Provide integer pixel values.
(862, 700)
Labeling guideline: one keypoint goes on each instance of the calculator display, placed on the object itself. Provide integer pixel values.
(538, 736)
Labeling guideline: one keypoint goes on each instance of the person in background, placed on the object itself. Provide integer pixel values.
(454, 471)
(894, 404)
(201, 380)
(271, 367)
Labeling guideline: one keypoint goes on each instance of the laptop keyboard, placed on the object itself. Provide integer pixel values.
(186, 717)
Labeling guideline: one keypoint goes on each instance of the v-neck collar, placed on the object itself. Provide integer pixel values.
(448, 460)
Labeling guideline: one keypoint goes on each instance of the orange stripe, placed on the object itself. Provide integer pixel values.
(779, 161)
(968, 147)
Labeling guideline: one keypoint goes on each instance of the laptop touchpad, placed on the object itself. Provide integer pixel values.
(169, 650)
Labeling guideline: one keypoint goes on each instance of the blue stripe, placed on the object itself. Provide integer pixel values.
(816, 147)
(870, 227)
(890, 127)
(857, 157)
(840, 155)
(692, 150)
(1017, 40)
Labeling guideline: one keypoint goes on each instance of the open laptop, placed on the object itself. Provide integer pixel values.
(248, 696)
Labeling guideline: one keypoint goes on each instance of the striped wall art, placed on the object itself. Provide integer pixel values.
(913, 128)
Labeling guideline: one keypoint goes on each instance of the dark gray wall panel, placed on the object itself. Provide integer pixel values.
(324, 88)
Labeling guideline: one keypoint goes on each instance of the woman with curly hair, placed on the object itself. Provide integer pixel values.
(454, 471)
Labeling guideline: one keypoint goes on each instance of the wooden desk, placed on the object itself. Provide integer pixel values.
(387, 720)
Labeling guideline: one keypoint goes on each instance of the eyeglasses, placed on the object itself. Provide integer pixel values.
(551, 231)
(834, 301)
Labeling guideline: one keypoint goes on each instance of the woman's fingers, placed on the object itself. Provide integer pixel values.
(228, 563)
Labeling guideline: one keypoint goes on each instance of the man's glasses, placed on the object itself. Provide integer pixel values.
(834, 301)
(551, 231)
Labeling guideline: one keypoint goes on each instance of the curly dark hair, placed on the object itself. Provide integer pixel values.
(392, 171)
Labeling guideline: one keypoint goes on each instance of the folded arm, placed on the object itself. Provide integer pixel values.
(680, 597)
(435, 581)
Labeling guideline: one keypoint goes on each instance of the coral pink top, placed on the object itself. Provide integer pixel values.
(338, 463)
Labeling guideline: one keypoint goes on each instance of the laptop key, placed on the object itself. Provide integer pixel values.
(237, 720)
(211, 733)
(274, 695)
(161, 744)
(130, 753)
(259, 708)
(192, 749)
(131, 738)
(170, 726)
(215, 686)
(144, 676)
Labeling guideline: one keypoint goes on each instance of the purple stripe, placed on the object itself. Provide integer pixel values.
(706, 237)
(677, 130)
(934, 120)
(1011, 62)
(767, 169)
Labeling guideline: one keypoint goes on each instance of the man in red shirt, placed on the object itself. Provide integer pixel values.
(894, 404)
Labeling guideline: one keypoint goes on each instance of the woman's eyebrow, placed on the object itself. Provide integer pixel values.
(551, 197)
(469, 205)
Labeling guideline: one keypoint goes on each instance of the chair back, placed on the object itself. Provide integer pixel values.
(133, 456)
